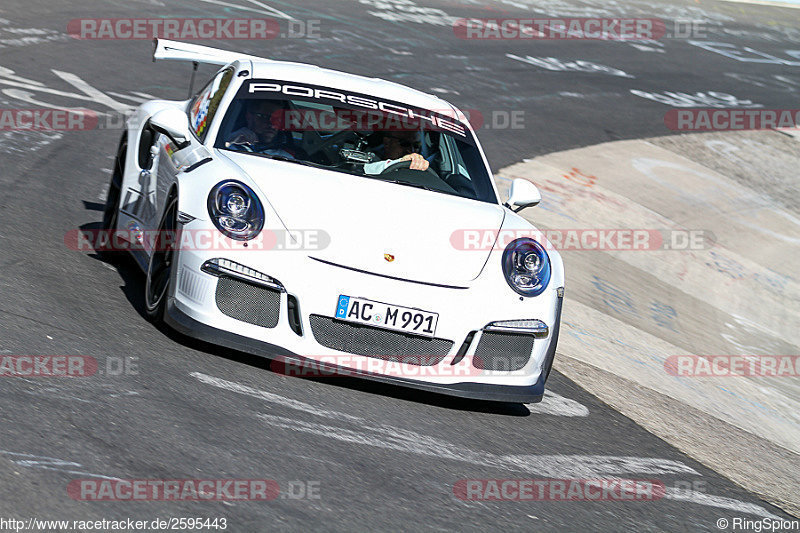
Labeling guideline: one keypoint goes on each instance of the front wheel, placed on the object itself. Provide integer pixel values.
(162, 260)
(111, 208)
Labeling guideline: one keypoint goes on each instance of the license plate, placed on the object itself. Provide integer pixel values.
(388, 316)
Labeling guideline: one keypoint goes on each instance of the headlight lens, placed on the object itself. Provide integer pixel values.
(526, 266)
(236, 210)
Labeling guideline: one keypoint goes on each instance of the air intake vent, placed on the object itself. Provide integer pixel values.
(505, 352)
(249, 303)
(379, 343)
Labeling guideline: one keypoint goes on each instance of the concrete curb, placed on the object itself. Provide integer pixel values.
(754, 463)
(628, 311)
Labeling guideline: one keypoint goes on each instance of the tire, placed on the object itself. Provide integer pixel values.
(162, 261)
(111, 208)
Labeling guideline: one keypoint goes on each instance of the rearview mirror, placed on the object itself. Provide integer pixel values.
(174, 124)
(523, 194)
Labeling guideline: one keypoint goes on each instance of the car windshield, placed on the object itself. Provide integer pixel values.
(356, 134)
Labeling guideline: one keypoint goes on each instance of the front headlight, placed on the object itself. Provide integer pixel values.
(236, 210)
(526, 267)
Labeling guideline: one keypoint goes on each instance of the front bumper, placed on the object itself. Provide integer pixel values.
(183, 323)
(193, 310)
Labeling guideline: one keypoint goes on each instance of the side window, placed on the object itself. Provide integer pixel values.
(457, 161)
(205, 105)
(435, 145)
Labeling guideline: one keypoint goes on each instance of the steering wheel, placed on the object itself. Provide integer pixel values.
(406, 164)
(242, 146)
(325, 146)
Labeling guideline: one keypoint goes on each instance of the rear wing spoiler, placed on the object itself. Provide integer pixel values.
(177, 51)
(196, 54)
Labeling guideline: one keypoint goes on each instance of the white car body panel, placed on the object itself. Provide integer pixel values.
(372, 218)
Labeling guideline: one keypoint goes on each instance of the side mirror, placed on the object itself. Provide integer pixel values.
(174, 124)
(523, 194)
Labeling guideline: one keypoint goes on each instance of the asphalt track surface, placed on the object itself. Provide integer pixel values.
(384, 458)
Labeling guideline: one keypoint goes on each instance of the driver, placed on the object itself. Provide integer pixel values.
(261, 134)
(398, 146)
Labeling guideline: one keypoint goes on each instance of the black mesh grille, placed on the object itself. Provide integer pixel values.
(248, 303)
(379, 343)
(502, 351)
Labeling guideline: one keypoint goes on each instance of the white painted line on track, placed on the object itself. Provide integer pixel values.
(265, 9)
(50, 463)
(553, 466)
(557, 405)
(721, 502)
(587, 466)
(270, 397)
(386, 437)
(552, 403)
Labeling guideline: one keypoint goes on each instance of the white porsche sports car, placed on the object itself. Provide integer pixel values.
(301, 213)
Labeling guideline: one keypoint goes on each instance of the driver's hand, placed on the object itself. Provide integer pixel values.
(244, 136)
(417, 161)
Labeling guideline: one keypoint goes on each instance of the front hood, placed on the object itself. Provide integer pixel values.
(366, 219)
